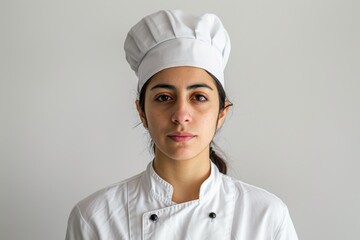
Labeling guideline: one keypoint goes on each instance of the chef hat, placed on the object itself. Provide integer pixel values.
(174, 38)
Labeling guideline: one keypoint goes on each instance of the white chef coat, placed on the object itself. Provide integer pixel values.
(141, 208)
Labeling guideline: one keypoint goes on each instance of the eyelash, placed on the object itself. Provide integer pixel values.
(196, 97)
(159, 98)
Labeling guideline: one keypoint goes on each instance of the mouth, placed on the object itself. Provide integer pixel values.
(181, 136)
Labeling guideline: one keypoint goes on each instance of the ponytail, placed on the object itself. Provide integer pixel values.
(218, 161)
(223, 103)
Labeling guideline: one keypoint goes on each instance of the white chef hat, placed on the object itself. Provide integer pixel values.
(174, 38)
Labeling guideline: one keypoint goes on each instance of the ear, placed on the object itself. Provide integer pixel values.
(222, 115)
(141, 114)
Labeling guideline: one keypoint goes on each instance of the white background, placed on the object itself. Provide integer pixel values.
(68, 116)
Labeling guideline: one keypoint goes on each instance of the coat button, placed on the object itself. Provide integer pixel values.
(154, 217)
(212, 215)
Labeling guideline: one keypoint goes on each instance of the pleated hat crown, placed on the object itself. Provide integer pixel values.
(171, 38)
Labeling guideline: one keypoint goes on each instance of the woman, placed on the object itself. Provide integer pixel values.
(184, 193)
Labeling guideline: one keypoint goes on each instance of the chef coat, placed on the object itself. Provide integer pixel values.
(141, 208)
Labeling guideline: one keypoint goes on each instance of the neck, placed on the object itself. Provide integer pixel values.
(185, 176)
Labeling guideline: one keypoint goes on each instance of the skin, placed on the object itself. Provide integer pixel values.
(182, 115)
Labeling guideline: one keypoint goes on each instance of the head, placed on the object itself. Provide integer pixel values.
(179, 59)
(174, 105)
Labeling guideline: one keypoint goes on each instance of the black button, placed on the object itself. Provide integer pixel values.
(154, 217)
(212, 215)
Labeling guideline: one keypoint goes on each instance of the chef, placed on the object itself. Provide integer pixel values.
(184, 193)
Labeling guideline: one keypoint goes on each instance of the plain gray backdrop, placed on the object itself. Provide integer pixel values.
(68, 115)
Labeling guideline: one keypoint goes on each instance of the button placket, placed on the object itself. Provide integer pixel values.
(150, 225)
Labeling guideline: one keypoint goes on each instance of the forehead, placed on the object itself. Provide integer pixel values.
(181, 77)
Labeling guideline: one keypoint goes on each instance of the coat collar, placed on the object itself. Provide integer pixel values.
(161, 190)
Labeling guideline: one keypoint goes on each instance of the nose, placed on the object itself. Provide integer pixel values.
(181, 114)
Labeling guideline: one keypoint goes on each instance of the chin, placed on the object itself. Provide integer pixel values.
(180, 151)
(180, 156)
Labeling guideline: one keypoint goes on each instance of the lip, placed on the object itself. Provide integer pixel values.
(181, 136)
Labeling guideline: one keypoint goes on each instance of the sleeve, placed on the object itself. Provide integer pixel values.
(78, 228)
(286, 230)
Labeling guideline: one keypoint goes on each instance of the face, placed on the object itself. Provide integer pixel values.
(182, 112)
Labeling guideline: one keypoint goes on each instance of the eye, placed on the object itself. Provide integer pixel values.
(163, 98)
(200, 98)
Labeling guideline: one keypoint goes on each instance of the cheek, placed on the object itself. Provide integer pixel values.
(155, 118)
(210, 118)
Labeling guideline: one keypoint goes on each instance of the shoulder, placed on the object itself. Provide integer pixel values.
(103, 202)
(256, 201)
(267, 212)
(248, 192)
(91, 218)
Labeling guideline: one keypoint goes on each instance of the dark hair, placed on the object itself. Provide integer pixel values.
(215, 158)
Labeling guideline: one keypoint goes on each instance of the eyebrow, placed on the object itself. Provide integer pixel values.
(172, 87)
